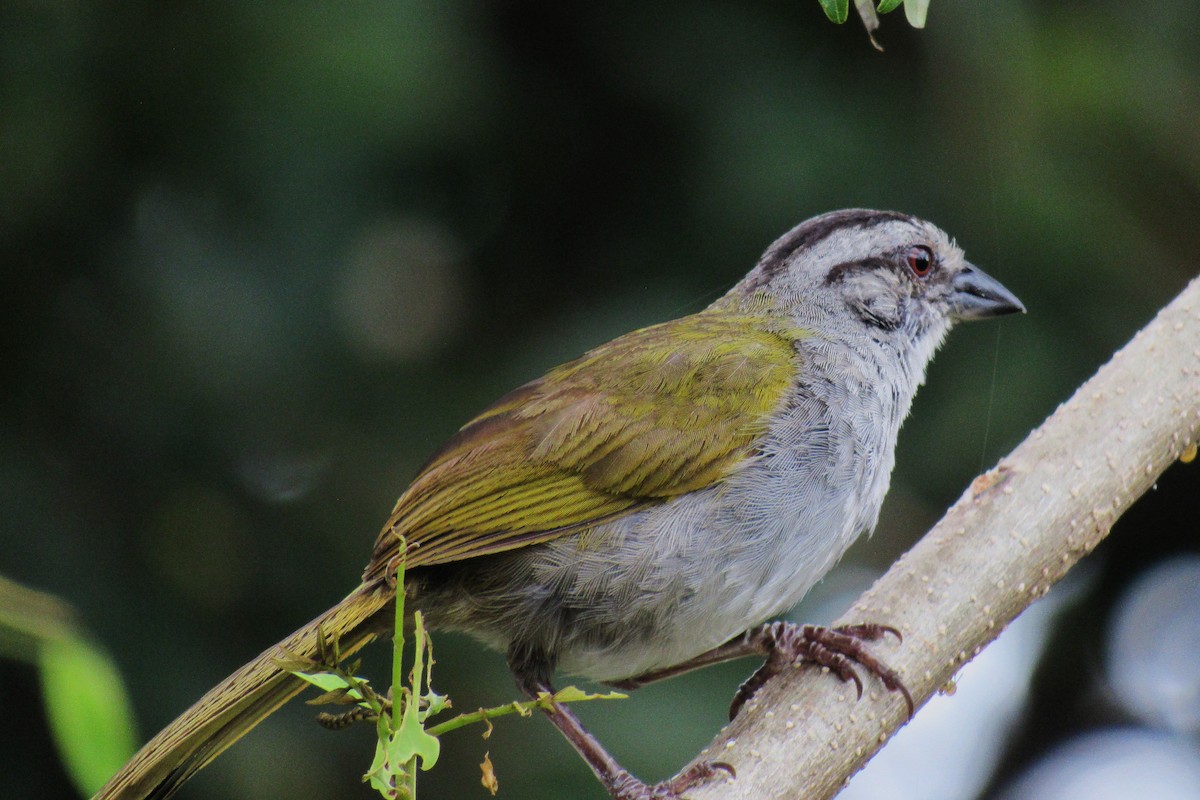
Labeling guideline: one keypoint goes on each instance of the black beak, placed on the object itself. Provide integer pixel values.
(978, 295)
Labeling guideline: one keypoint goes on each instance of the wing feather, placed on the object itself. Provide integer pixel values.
(657, 413)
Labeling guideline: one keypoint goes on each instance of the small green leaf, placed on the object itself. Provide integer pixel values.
(378, 776)
(836, 10)
(889, 5)
(413, 742)
(573, 694)
(915, 11)
(435, 704)
(329, 682)
(410, 740)
(88, 708)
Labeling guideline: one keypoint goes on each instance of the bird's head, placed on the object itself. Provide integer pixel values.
(880, 271)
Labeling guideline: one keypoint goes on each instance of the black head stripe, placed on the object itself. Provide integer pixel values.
(810, 233)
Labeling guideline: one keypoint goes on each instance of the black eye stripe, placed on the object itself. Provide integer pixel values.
(838, 272)
(896, 260)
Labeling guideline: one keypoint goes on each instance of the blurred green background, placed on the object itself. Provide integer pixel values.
(260, 258)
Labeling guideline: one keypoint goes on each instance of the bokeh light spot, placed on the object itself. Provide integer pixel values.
(1114, 765)
(1153, 644)
(402, 290)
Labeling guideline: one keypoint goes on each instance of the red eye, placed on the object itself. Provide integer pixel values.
(920, 260)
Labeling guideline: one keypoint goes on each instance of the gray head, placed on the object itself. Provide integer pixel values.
(883, 270)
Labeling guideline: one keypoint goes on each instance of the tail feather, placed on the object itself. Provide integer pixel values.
(233, 707)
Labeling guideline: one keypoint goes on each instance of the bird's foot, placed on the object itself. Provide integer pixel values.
(626, 787)
(839, 649)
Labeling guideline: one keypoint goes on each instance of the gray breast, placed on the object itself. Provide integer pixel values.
(657, 587)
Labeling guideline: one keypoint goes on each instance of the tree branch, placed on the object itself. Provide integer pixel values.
(1015, 532)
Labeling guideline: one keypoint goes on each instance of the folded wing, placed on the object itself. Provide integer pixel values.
(654, 414)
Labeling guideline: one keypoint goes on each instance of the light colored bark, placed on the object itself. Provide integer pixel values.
(1015, 532)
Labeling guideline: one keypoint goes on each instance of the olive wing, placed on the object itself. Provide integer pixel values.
(651, 415)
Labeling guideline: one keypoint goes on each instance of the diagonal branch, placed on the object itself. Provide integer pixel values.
(1009, 538)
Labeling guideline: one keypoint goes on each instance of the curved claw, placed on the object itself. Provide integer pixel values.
(858, 684)
(894, 685)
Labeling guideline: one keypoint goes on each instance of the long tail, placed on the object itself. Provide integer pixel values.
(229, 710)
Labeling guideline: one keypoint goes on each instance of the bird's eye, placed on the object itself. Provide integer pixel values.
(920, 260)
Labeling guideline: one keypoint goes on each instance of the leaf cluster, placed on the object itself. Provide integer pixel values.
(405, 738)
(839, 10)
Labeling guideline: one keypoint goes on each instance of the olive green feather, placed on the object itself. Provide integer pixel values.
(657, 413)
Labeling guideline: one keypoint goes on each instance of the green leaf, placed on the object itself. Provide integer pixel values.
(434, 704)
(836, 10)
(329, 682)
(88, 709)
(889, 5)
(915, 11)
(378, 776)
(411, 740)
(573, 694)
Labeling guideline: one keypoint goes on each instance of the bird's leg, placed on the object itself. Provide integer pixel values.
(786, 643)
(748, 644)
(620, 783)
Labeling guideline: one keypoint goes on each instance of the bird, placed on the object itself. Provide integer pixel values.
(651, 506)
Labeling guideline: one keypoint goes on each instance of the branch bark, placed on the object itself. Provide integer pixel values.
(1016, 531)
